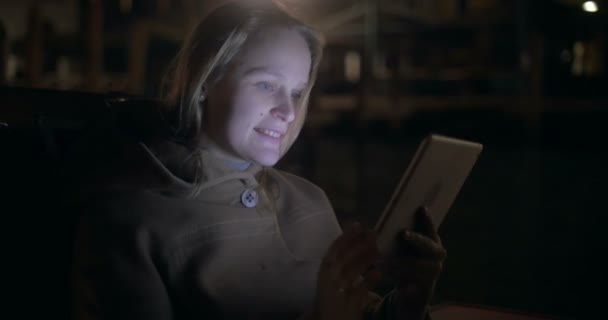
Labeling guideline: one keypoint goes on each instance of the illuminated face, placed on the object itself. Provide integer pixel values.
(252, 108)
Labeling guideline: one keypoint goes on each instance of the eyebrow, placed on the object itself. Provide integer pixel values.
(268, 70)
(263, 69)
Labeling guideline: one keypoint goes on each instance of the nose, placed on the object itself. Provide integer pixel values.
(284, 109)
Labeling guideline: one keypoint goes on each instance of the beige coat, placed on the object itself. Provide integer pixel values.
(146, 250)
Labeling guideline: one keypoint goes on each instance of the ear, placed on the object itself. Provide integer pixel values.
(203, 96)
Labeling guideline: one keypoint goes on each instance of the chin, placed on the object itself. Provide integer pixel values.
(266, 160)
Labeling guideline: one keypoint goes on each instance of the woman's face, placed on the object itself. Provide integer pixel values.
(252, 108)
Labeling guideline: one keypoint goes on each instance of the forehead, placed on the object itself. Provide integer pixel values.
(282, 50)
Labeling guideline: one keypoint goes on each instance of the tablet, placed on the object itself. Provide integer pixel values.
(433, 179)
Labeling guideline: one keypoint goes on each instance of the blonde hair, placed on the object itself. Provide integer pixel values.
(211, 47)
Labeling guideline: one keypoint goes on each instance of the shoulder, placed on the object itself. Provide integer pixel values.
(142, 218)
(126, 206)
(114, 212)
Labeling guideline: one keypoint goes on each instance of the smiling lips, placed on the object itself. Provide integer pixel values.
(270, 133)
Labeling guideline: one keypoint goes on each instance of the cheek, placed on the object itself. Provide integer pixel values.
(247, 111)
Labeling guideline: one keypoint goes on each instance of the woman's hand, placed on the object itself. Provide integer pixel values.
(342, 290)
(416, 266)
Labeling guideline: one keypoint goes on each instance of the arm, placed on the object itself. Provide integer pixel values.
(114, 276)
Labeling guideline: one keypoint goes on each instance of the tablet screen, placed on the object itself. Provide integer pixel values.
(433, 179)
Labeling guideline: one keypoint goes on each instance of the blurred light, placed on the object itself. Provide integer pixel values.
(590, 6)
(352, 66)
(579, 55)
(63, 72)
(12, 67)
(126, 6)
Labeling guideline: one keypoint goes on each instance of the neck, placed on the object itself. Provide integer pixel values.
(219, 153)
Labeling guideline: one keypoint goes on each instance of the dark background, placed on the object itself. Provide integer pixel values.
(526, 232)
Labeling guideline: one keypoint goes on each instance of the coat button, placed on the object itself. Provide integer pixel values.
(249, 198)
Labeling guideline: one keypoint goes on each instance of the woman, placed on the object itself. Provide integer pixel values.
(197, 224)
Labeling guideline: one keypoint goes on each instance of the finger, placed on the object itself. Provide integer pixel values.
(421, 245)
(424, 224)
(343, 255)
(346, 237)
(365, 242)
(358, 261)
(372, 279)
(363, 300)
(357, 299)
(352, 274)
(360, 237)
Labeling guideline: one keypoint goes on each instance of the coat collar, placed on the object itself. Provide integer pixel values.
(197, 172)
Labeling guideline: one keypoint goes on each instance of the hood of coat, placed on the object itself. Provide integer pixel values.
(127, 151)
(198, 171)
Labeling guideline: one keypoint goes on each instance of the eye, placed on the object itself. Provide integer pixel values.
(296, 95)
(265, 86)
